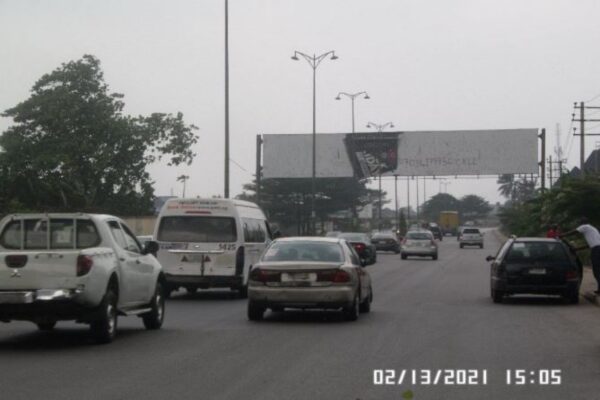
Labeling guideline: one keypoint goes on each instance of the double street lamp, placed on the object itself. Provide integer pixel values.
(352, 96)
(314, 61)
(380, 128)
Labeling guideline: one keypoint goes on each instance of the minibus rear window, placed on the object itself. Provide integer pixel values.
(197, 229)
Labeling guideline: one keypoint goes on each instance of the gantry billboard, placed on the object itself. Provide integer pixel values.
(413, 153)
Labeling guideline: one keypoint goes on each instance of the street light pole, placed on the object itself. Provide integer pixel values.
(352, 97)
(380, 128)
(314, 62)
(226, 190)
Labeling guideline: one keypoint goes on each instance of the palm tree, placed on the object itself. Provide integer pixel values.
(507, 185)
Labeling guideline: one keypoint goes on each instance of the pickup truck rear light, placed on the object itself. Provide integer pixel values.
(571, 275)
(16, 260)
(264, 276)
(84, 264)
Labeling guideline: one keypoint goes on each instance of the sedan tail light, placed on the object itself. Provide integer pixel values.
(335, 276)
(264, 276)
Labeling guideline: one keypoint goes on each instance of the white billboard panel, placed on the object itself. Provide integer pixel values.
(420, 153)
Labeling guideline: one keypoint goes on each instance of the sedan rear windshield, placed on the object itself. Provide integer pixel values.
(533, 252)
(304, 251)
(197, 229)
(65, 233)
(383, 236)
(418, 236)
(471, 230)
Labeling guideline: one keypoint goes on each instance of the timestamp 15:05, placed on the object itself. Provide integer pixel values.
(533, 377)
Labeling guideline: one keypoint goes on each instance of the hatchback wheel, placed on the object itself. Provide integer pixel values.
(497, 296)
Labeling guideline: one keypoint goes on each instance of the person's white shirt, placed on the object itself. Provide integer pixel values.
(591, 234)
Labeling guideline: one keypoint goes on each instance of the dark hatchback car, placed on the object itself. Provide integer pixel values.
(386, 241)
(362, 244)
(535, 266)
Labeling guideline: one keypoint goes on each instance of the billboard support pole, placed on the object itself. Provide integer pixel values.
(542, 164)
(396, 201)
(259, 142)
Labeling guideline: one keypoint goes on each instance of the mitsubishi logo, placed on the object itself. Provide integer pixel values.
(15, 274)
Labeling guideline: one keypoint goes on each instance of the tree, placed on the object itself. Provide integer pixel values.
(71, 146)
(507, 185)
(287, 201)
(474, 207)
(440, 202)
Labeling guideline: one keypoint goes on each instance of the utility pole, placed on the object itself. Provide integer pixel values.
(258, 168)
(542, 163)
(417, 190)
(582, 120)
(408, 200)
(379, 213)
(550, 170)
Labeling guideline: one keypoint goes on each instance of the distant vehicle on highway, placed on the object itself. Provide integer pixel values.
(535, 266)
(210, 243)
(449, 222)
(309, 272)
(73, 266)
(419, 243)
(436, 230)
(362, 244)
(386, 241)
(470, 237)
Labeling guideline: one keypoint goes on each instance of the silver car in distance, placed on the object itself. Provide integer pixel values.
(309, 272)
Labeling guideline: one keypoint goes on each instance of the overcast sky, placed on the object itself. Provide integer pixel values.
(427, 65)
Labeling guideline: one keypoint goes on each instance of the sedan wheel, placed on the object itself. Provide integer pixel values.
(365, 306)
(352, 311)
(255, 312)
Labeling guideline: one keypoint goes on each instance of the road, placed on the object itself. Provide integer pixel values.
(426, 315)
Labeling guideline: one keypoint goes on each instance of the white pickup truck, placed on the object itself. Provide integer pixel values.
(84, 267)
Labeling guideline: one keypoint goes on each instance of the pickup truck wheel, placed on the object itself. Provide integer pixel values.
(104, 329)
(46, 326)
(154, 319)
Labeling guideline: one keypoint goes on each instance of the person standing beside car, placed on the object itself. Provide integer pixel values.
(592, 237)
(553, 232)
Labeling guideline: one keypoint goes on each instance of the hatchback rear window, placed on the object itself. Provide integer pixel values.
(304, 251)
(533, 252)
(197, 229)
(471, 230)
(32, 234)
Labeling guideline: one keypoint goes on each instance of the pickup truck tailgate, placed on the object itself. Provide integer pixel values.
(43, 269)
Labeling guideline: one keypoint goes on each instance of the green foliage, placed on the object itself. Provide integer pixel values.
(473, 207)
(432, 208)
(287, 201)
(72, 148)
(563, 205)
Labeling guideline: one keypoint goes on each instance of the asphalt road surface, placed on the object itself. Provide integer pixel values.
(426, 314)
